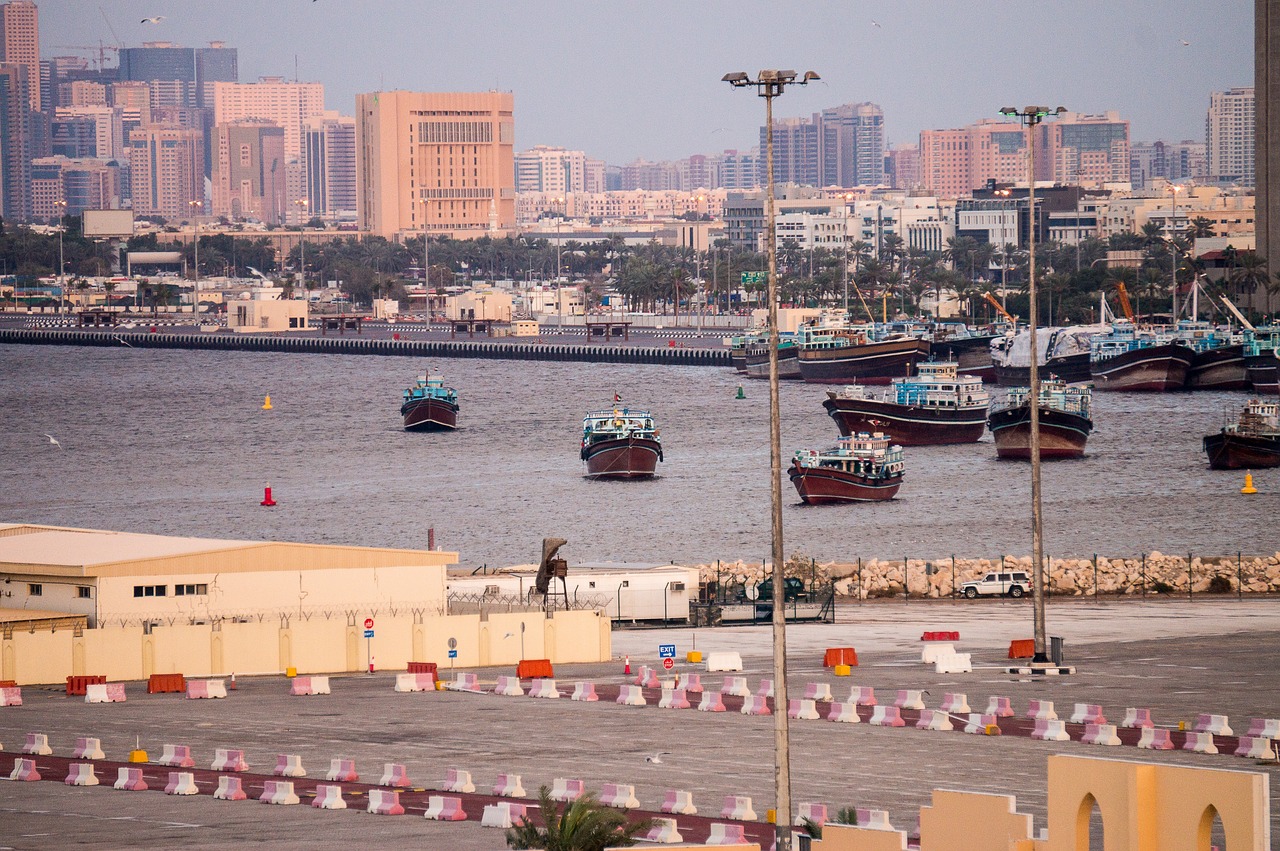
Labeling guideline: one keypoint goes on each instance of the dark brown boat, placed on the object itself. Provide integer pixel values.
(1251, 442)
(935, 407)
(1064, 422)
(620, 444)
(861, 468)
(430, 406)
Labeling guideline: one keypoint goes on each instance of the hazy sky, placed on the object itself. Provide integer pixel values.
(622, 80)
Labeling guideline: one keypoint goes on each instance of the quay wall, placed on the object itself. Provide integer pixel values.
(355, 345)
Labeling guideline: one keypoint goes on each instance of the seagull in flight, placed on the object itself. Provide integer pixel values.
(53, 440)
(1185, 43)
(157, 19)
(876, 24)
(657, 757)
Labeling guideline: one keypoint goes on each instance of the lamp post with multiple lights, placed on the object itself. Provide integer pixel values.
(770, 84)
(1031, 116)
(302, 242)
(196, 206)
(62, 264)
(1174, 189)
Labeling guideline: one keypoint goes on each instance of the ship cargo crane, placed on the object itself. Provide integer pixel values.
(1124, 301)
(1236, 312)
(991, 300)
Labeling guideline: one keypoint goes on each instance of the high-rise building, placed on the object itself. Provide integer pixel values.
(330, 158)
(946, 162)
(166, 170)
(275, 99)
(1083, 150)
(84, 184)
(1266, 151)
(851, 149)
(651, 176)
(1229, 136)
(440, 161)
(1174, 161)
(739, 169)
(796, 143)
(20, 43)
(593, 176)
(75, 136)
(187, 73)
(109, 137)
(249, 171)
(15, 142)
(902, 167)
(543, 168)
(216, 63)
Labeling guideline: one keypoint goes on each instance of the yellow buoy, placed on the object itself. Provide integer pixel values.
(1248, 484)
(266, 406)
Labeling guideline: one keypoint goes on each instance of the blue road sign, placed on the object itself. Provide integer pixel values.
(453, 654)
(666, 651)
(368, 633)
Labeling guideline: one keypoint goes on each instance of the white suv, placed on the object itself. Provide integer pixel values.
(1005, 584)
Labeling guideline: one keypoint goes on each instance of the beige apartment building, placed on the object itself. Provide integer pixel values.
(249, 171)
(20, 43)
(273, 99)
(443, 162)
(166, 165)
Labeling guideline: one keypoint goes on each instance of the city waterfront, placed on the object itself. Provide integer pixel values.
(180, 444)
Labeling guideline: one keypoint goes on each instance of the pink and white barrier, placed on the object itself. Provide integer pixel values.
(509, 687)
(1087, 713)
(464, 682)
(104, 693)
(181, 783)
(693, 683)
(1215, 724)
(176, 756)
(873, 819)
(909, 699)
(230, 788)
(678, 802)
(385, 802)
(415, 682)
(978, 724)
(955, 703)
(845, 713)
(1255, 747)
(816, 813)
(130, 780)
(619, 796)
(206, 689)
(664, 832)
(457, 780)
(442, 808)
(712, 701)
(1200, 743)
(1001, 707)
(585, 692)
(802, 709)
(328, 797)
(1135, 717)
(564, 789)
(544, 688)
(394, 774)
(1268, 727)
(1100, 734)
(648, 678)
(309, 685)
(757, 704)
(37, 744)
(503, 815)
(24, 769)
(289, 765)
(508, 786)
(727, 834)
(738, 808)
(1050, 730)
(863, 696)
(342, 770)
(630, 696)
(229, 760)
(278, 792)
(766, 688)
(88, 748)
(10, 696)
(1041, 710)
(818, 691)
(736, 686)
(887, 716)
(934, 719)
(81, 774)
(673, 698)
(1155, 739)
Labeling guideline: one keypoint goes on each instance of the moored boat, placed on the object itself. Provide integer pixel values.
(1065, 422)
(429, 406)
(1132, 359)
(1252, 441)
(970, 349)
(1064, 354)
(1262, 359)
(936, 406)
(1218, 361)
(756, 357)
(858, 354)
(860, 468)
(620, 443)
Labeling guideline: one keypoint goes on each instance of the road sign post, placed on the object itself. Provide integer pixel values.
(368, 641)
(666, 651)
(668, 663)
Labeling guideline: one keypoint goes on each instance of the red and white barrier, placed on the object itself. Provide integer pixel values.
(818, 691)
(24, 769)
(802, 709)
(1087, 713)
(176, 756)
(712, 701)
(766, 688)
(873, 819)
(442, 808)
(415, 682)
(104, 693)
(673, 698)
(978, 723)
(845, 713)
(934, 719)
(630, 696)
(678, 802)
(508, 786)
(1050, 730)
(302, 686)
(564, 789)
(230, 788)
(130, 780)
(544, 688)
(756, 704)
(229, 760)
(181, 783)
(1200, 743)
(289, 765)
(955, 703)
(863, 696)
(328, 797)
(648, 678)
(909, 699)
(619, 796)
(1215, 724)
(385, 802)
(457, 780)
(736, 686)
(464, 682)
(206, 689)
(816, 813)
(1041, 710)
(1135, 717)
(1001, 707)
(1255, 747)
(738, 808)
(1155, 739)
(1100, 734)
(278, 792)
(727, 834)
(887, 716)
(693, 683)
(81, 774)
(342, 770)
(1267, 727)
(664, 832)
(509, 687)
(953, 663)
(37, 744)
(585, 692)
(10, 696)
(394, 774)
(88, 748)
(503, 815)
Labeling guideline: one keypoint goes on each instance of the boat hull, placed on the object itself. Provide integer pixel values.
(739, 360)
(825, 486)
(1263, 373)
(908, 425)
(1241, 452)
(1062, 435)
(1156, 369)
(1072, 369)
(873, 363)
(972, 356)
(623, 458)
(757, 364)
(429, 415)
(1218, 369)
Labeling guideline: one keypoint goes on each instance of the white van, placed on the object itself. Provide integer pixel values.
(1013, 584)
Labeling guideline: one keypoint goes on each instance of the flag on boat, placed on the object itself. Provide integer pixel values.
(617, 397)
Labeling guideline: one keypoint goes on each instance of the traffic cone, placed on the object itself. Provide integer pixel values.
(626, 669)
(233, 681)
(371, 658)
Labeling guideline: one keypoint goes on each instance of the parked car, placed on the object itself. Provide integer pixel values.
(1013, 584)
(792, 589)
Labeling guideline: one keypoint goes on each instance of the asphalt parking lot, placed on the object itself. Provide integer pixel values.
(1178, 658)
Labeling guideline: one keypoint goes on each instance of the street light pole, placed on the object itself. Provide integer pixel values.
(1030, 117)
(195, 206)
(426, 246)
(1174, 189)
(770, 84)
(302, 243)
(62, 264)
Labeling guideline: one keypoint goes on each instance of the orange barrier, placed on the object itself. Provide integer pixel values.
(940, 636)
(423, 668)
(8, 683)
(78, 685)
(534, 668)
(166, 684)
(840, 656)
(1022, 648)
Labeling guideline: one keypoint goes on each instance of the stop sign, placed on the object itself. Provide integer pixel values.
(368, 623)
(668, 663)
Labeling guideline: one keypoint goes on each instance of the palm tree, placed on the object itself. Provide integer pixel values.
(1201, 228)
(1250, 273)
(581, 825)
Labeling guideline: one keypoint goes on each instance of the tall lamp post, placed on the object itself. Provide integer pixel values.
(62, 264)
(1031, 116)
(1174, 189)
(770, 84)
(560, 202)
(196, 206)
(301, 203)
(426, 244)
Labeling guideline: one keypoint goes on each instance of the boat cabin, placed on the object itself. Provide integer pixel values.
(618, 423)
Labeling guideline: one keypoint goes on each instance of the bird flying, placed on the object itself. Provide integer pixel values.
(657, 757)
(53, 440)
(876, 24)
(157, 19)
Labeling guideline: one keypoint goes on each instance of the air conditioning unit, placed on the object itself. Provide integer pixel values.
(677, 586)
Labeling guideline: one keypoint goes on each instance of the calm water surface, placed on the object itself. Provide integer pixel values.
(176, 443)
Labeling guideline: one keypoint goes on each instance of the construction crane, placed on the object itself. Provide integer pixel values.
(991, 300)
(1236, 312)
(1124, 301)
(100, 49)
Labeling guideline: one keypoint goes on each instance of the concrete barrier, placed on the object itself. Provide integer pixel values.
(630, 696)
(818, 691)
(1155, 739)
(756, 704)
(678, 802)
(81, 774)
(802, 709)
(619, 796)
(24, 770)
(1050, 730)
(457, 780)
(228, 760)
(930, 652)
(503, 815)
(565, 789)
(738, 808)
(873, 819)
(176, 756)
(1087, 713)
(10, 696)
(647, 678)
(508, 786)
(1041, 710)
(664, 832)
(544, 688)
(395, 775)
(1001, 707)
(693, 683)
(88, 748)
(508, 687)
(979, 724)
(1136, 718)
(673, 698)
(1200, 743)
(1255, 747)
(585, 692)
(727, 834)
(712, 701)
(415, 682)
(278, 792)
(442, 808)
(342, 770)
(289, 765)
(37, 744)
(863, 696)
(206, 689)
(955, 703)
(182, 783)
(1215, 724)
(464, 682)
(104, 693)
(130, 780)
(1100, 734)
(909, 699)
(1268, 727)
(301, 686)
(723, 660)
(953, 663)
(328, 797)
(845, 713)
(385, 802)
(887, 716)
(766, 688)
(736, 686)
(816, 813)
(934, 719)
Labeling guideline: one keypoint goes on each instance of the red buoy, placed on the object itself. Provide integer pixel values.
(266, 497)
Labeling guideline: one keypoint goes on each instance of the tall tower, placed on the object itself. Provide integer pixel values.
(20, 43)
(15, 142)
(1229, 136)
(1266, 85)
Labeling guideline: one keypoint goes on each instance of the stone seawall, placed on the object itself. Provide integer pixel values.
(1153, 573)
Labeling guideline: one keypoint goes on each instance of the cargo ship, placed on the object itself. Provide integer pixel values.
(756, 357)
(935, 406)
(862, 354)
(1262, 359)
(1064, 421)
(1251, 442)
(1133, 359)
(860, 468)
(1064, 354)
(620, 443)
(1218, 361)
(429, 406)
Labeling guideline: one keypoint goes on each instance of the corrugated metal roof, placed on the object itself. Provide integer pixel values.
(86, 548)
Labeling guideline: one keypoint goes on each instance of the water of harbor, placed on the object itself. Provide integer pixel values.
(177, 443)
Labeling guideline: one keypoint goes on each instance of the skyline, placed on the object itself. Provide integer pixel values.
(1119, 61)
